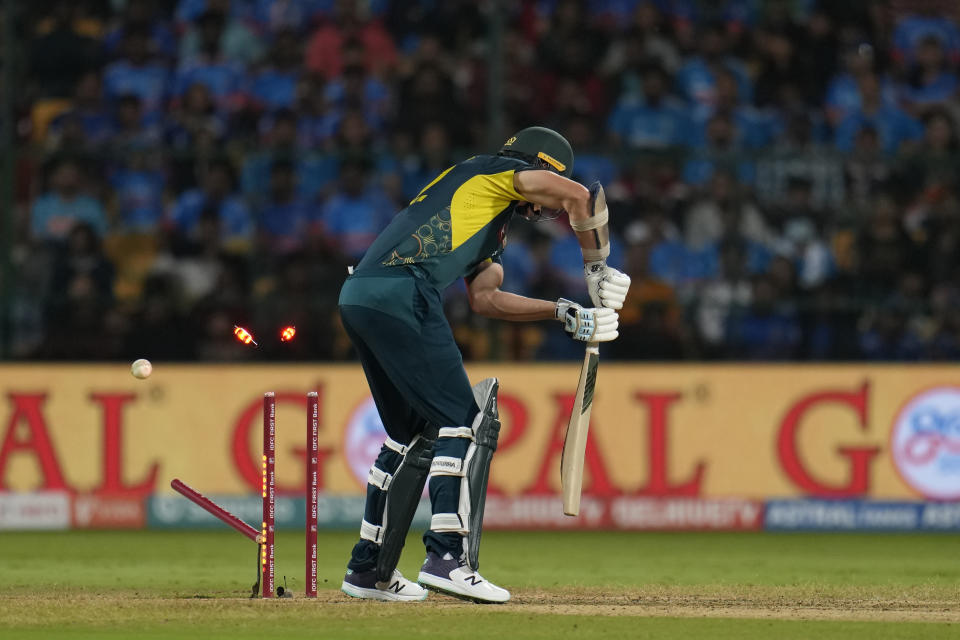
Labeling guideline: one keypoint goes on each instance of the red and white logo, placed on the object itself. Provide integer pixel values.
(925, 443)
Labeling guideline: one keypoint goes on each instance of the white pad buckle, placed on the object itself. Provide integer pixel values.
(371, 532)
(393, 445)
(456, 432)
(449, 523)
(379, 478)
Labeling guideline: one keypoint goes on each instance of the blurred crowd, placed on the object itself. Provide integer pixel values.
(783, 174)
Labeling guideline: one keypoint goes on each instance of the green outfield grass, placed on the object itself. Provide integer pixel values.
(565, 585)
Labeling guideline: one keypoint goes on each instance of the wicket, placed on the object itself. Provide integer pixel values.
(268, 493)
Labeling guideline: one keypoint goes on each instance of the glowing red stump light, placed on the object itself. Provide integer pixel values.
(244, 336)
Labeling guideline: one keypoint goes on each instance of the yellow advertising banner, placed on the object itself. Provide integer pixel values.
(890, 432)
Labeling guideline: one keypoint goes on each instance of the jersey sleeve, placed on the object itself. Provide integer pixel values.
(497, 178)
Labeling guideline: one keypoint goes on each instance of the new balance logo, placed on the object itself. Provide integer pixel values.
(473, 580)
(396, 587)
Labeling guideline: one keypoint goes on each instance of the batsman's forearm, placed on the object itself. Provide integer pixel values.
(502, 305)
(590, 224)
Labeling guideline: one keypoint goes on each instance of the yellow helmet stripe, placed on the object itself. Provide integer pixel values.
(553, 162)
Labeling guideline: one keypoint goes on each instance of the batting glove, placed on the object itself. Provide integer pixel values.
(587, 325)
(607, 286)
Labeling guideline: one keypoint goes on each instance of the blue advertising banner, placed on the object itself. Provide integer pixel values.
(860, 515)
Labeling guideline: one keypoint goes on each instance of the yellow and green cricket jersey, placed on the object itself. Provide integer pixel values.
(456, 222)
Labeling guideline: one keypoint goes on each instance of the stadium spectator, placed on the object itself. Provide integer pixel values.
(884, 250)
(139, 185)
(88, 114)
(275, 86)
(317, 122)
(721, 212)
(843, 93)
(650, 321)
(720, 296)
(696, 79)
(136, 73)
(284, 220)
(134, 129)
(55, 213)
(766, 330)
(428, 95)
(83, 257)
(590, 166)
(354, 214)
(887, 335)
(142, 15)
(755, 128)
(59, 52)
(355, 89)
(865, 169)
(158, 326)
(929, 80)
(325, 49)
(783, 78)
(894, 127)
(644, 42)
(315, 172)
(209, 66)
(651, 119)
(719, 149)
(913, 29)
(236, 41)
(434, 157)
(216, 200)
(196, 123)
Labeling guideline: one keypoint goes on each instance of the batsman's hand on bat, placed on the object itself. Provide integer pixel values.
(607, 286)
(587, 325)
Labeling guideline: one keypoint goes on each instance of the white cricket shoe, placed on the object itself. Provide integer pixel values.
(364, 584)
(453, 577)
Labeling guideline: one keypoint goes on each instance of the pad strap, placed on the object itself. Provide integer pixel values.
(371, 532)
(456, 432)
(593, 222)
(448, 522)
(393, 445)
(379, 478)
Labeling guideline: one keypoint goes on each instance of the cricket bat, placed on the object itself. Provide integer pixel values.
(575, 442)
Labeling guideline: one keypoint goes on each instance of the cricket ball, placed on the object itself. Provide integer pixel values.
(141, 368)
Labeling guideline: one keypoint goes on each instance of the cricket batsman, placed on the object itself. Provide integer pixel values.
(438, 426)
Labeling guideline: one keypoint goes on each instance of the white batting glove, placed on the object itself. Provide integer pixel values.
(587, 325)
(607, 286)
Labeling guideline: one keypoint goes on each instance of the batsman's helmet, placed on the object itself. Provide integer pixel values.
(541, 147)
